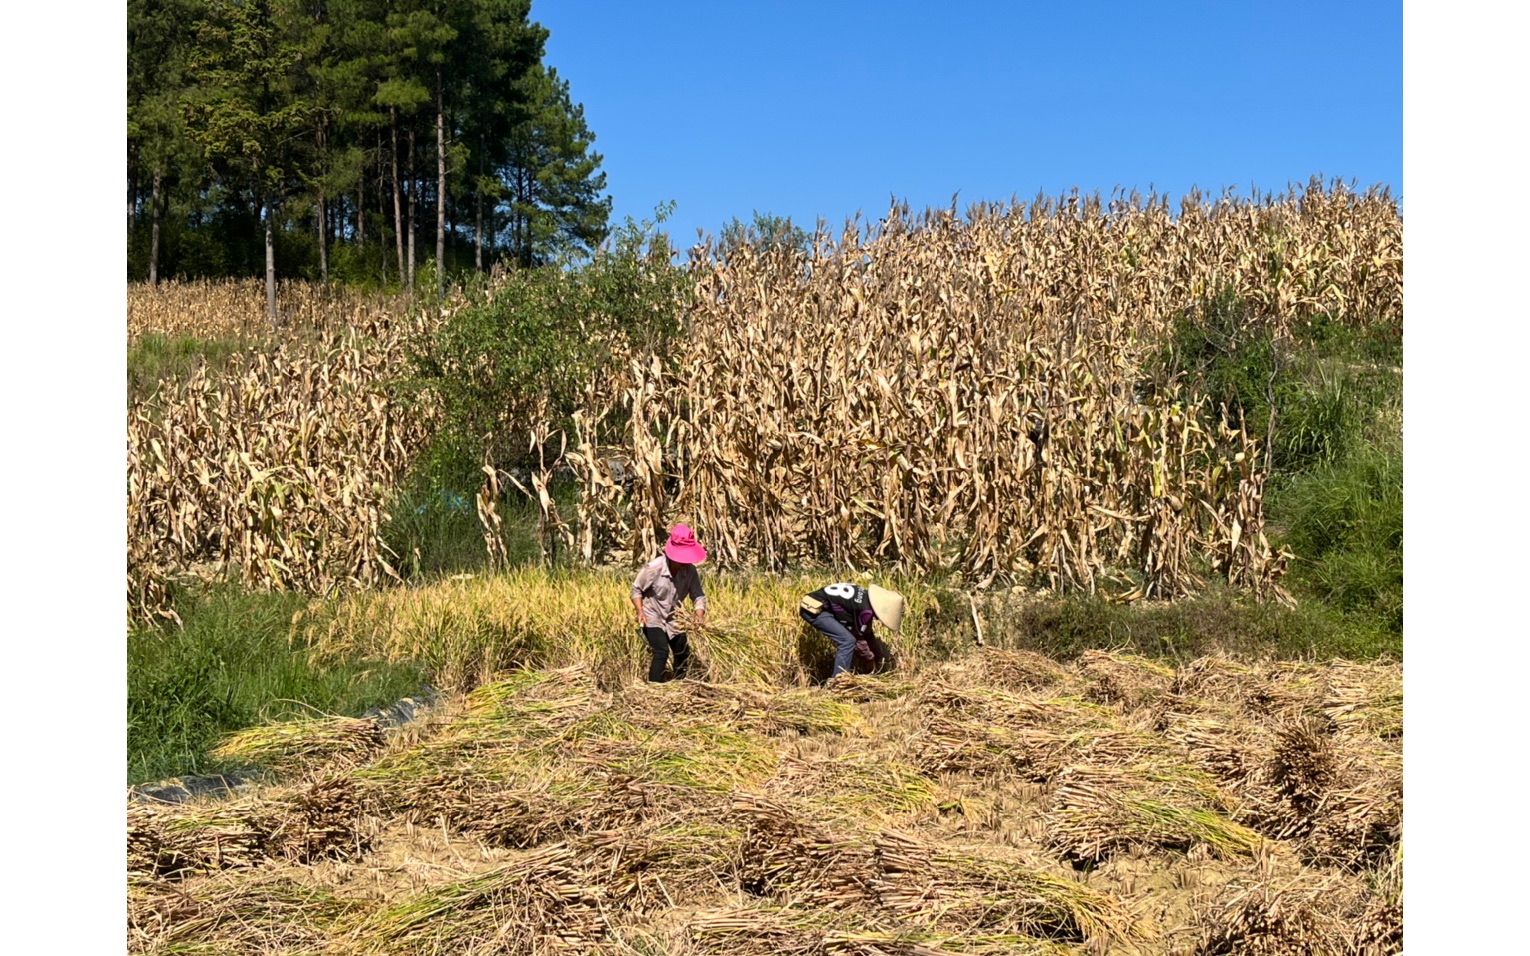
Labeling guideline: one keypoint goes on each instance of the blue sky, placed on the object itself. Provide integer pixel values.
(815, 110)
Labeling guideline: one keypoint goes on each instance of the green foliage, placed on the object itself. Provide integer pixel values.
(555, 208)
(764, 231)
(243, 112)
(499, 368)
(154, 357)
(1344, 522)
(1328, 401)
(331, 109)
(1064, 627)
(438, 534)
(1221, 352)
(230, 667)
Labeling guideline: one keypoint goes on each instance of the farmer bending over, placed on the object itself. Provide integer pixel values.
(660, 587)
(843, 613)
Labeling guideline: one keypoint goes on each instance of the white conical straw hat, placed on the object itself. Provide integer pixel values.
(887, 605)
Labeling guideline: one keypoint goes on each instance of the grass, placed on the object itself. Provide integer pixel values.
(231, 667)
(154, 357)
(437, 533)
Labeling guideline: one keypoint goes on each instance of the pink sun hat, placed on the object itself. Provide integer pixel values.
(682, 547)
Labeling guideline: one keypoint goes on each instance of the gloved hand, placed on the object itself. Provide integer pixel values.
(864, 650)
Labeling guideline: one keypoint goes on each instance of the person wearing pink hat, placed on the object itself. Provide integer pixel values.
(660, 587)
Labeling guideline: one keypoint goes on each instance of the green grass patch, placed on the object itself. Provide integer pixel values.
(434, 534)
(1216, 621)
(153, 357)
(231, 667)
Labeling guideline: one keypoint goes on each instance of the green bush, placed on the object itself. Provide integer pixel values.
(1221, 351)
(1344, 523)
(494, 367)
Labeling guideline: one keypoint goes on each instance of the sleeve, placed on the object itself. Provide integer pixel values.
(863, 631)
(698, 596)
(644, 579)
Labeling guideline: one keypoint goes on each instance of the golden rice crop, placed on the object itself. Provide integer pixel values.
(467, 629)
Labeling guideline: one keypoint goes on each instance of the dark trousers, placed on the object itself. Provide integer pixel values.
(660, 645)
(844, 641)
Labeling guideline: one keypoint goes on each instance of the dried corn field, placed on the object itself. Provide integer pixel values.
(994, 804)
(237, 309)
(935, 394)
(277, 467)
(967, 395)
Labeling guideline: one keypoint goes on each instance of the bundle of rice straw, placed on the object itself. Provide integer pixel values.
(957, 888)
(1304, 767)
(317, 820)
(1378, 927)
(765, 931)
(865, 688)
(1094, 812)
(545, 899)
(785, 856)
(1365, 698)
(1019, 670)
(786, 711)
(853, 786)
(301, 746)
(1216, 678)
(1220, 738)
(1125, 679)
(259, 914)
(1272, 916)
(998, 735)
(1287, 691)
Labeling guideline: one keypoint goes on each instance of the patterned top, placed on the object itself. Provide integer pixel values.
(661, 592)
(850, 605)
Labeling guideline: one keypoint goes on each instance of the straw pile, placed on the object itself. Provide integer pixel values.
(1096, 812)
(302, 746)
(935, 816)
(303, 824)
(1125, 679)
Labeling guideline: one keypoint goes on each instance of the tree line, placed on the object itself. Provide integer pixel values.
(340, 137)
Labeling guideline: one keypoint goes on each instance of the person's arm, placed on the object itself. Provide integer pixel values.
(698, 598)
(863, 636)
(644, 579)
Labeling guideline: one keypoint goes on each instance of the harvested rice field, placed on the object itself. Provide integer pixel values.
(1001, 803)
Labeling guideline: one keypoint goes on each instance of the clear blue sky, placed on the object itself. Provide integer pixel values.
(820, 109)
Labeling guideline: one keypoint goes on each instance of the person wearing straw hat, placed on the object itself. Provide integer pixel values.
(656, 594)
(844, 612)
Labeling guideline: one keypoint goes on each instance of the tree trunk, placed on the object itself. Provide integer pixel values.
(414, 192)
(323, 241)
(361, 214)
(440, 188)
(478, 203)
(270, 263)
(154, 231)
(398, 215)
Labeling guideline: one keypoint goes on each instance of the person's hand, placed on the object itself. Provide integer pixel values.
(701, 616)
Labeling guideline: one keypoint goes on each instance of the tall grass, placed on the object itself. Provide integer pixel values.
(154, 357)
(232, 666)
